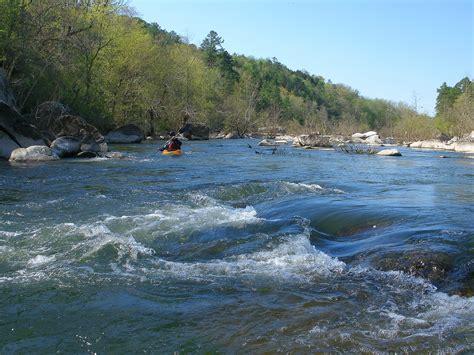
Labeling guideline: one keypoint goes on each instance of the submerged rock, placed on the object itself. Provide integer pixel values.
(430, 265)
(33, 153)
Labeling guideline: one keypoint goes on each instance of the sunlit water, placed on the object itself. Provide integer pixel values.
(223, 249)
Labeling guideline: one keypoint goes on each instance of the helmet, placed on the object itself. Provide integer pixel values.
(172, 133)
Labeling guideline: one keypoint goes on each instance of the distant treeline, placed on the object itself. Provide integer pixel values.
(114, 68)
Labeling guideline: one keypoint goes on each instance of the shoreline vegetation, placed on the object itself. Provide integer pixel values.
(80, 70)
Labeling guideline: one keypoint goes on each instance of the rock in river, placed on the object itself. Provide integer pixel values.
(390, 153)
(33, 153)
(193, 131)
(126, 134)
(66, 146)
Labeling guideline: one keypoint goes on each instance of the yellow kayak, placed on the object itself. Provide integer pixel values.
(172, 152)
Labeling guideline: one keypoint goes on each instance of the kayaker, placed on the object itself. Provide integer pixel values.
(173, 143)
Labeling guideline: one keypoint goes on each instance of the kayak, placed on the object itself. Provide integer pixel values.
(172, 152)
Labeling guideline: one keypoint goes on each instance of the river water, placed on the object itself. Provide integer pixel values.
(223, 249)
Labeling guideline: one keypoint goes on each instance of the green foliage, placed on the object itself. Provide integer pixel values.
(114, 68)
(455, 108)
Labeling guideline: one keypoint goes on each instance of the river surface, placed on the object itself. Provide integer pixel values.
(226, 250)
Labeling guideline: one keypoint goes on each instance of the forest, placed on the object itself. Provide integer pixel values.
(112, 68)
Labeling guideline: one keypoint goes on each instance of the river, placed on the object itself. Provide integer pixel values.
(226, 250)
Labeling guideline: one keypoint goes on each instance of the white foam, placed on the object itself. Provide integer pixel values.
(182, 219)
(40, 260)
(302, 187)
(9, 234)
(295, 260)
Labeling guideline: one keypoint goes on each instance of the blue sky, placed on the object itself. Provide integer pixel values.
(391, 49)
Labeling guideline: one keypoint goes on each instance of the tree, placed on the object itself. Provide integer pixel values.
(211, 47)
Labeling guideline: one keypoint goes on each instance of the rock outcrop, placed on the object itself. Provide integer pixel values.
(462, 145)
(370, 137)
(126, 134)
(16, 131)
(195, 131)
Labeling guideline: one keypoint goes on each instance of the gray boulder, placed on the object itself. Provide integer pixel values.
(364, 135)
(195, 131)
(66, 146)
(126, 134)
(267, 143)
(390, 153)
(33, 153)
(231, 135)
(373, 139)
(314, 140)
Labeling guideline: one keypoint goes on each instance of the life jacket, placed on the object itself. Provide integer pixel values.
(174, 144)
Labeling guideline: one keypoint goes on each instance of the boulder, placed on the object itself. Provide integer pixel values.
(66, 146)
(432, 144)
(217, 135)
(464, 147)
(18, 130)
(373, 139)
(390, 153)
(126, 134)
(87, 155)
(91, 147)
(364, 135)
(266, 143)
(33, 153)
(231, 135)
(195, 131)
(314, 140)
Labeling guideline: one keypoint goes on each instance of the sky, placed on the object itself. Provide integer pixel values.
(398, 50)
